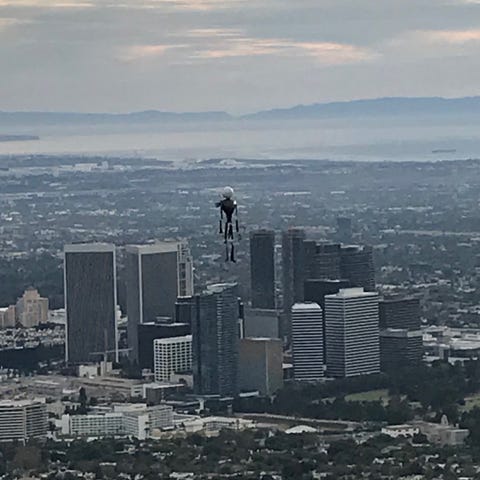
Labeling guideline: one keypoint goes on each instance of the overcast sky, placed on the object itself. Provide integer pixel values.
(233, 55)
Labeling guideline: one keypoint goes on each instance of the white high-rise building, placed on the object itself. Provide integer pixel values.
(22, 420)
(352, 333)
(307, 341)
(172, 355)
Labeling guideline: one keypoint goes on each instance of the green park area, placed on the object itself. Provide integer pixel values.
(471, 402)
(380, 395)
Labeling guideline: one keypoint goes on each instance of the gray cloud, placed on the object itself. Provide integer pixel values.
(239, 55)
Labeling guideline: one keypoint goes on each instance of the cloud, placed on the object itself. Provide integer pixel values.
(138, 52)
(225, 43)
(46, 4)
(454, 37)
(199, 5)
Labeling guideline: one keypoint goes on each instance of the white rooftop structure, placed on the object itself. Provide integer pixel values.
(89, 247)
(352, 293)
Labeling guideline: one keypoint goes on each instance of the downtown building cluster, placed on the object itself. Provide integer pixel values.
(332, 318)
(325, 315)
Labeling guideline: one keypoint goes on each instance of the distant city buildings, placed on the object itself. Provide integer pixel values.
(352, 333)
(262, 269)
(215, 340)
(7, 316)
(22, 420)
(90, 302)
(260, 365)
(157, 275)
(307, 342)
(172, 355)
(31, 309)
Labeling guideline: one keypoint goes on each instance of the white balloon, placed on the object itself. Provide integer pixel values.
(228, 192)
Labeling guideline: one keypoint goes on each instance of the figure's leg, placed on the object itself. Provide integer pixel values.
(226, 251)
(232, 254)
(230, 231)
(226, 232)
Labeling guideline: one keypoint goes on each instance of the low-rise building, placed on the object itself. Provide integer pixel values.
(132, 420)
(443, 433)
(399, 431)
(22, 420)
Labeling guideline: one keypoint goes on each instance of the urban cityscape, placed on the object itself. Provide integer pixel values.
(348, 328)
(239, 240)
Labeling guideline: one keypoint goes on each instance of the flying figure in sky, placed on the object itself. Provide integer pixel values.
(228, 208)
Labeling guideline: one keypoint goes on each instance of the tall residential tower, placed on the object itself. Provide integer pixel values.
(215, 340)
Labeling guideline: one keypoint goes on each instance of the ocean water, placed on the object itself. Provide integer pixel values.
(367, 139)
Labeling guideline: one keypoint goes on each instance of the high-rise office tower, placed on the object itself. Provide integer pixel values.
(293, 266)
(352, 333)
(261, 323)
(172, 355)
(400, 348)
(317, 289)
(183, 310)
(90, 302)
(307, 341)
(399, 312)
(261, 365)
(262, 268)
(401, 340)
(215, 340)
(157, 275)
(356, 265)
(322, 260)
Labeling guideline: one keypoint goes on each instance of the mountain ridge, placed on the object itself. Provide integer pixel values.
(353, 108)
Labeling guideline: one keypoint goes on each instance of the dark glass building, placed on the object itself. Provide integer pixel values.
(401, 341)
(215, 342)
(150, 331)
(356, 265)
(400, 348)
(157, 275)
(262, 268)
(90, 302)
(322, 260)
(400, 312)
(184, 310)
(293, 267)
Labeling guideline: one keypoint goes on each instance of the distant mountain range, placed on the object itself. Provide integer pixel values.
(393, 106)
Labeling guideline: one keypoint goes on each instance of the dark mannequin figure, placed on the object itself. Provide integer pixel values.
(228, 207)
